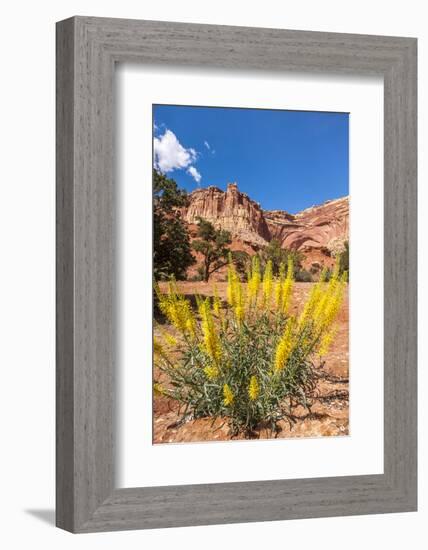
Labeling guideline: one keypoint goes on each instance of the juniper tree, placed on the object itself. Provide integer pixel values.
(213, 244)
(172, 252)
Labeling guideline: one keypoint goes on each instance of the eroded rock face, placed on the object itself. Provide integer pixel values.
(231, 210)
(319, 227)
(319, 232)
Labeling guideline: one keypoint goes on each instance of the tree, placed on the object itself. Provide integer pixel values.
(212, 244)
(172, 253)
(278, 256)
(242, 261)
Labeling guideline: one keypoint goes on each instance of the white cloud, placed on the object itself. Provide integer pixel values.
(194, 173)
(170, 155)
(209, 147)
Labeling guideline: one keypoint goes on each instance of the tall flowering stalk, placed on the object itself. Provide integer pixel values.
(216, 303)
(211, 342)
(287, 286)
(177, 310)
(267, 285)
(284, 347)
(232, 284)
(228, 395)
(254, 279)
(326, 341)
(248, 359)
(278, 286)
(240, 303)
(253, 389)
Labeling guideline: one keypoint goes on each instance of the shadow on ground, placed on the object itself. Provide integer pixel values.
(43, 514)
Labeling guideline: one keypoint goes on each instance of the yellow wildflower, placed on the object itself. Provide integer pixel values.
(158, 348)
(228, 395)
(326, 341)
(211, 344)
(216, 302)
(329, 305)
(232, 281)
(319, 307)
(326, 295)
(170, 339)
(267, 284)
(255, 279)
(191, 325)
(312, 303)
(172, 287)
(198, 300)
(160, 353)
(287, 285)
(240, 302)
(284, 347)
(211, 372)
(290, 268)
(253, 388)
(278, 293)
(240, 313)
(331, 309)
(158, 388)
(177, 310)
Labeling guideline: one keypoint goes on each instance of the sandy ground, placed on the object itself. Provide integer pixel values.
(330, 410)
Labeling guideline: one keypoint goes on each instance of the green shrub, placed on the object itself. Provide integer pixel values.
(303, 276)
(248, 361)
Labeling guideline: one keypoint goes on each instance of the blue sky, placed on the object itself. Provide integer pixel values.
(285, 160)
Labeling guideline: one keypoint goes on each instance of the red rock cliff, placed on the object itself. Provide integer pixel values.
(318, 227)
(317, 231)
(230, 210)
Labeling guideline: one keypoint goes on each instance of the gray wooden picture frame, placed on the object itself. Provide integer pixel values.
(87, 50)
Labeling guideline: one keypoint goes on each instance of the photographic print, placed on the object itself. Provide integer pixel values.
(250, 273)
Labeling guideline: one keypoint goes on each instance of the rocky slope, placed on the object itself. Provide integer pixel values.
(318, 232)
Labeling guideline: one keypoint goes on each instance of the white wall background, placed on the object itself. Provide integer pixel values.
(27, 271)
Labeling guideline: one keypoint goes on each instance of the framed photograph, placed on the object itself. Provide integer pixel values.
(236, 274)
(251, 310)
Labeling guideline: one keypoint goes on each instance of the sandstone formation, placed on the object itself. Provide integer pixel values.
(230, 210)
(320, 227)
(318, 232)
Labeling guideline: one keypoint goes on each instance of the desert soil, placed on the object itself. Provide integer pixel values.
(329, 415)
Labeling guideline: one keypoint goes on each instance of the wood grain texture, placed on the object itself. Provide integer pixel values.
(87, 49)
(64, 276)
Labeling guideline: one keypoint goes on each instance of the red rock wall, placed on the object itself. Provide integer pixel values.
(316, 232)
